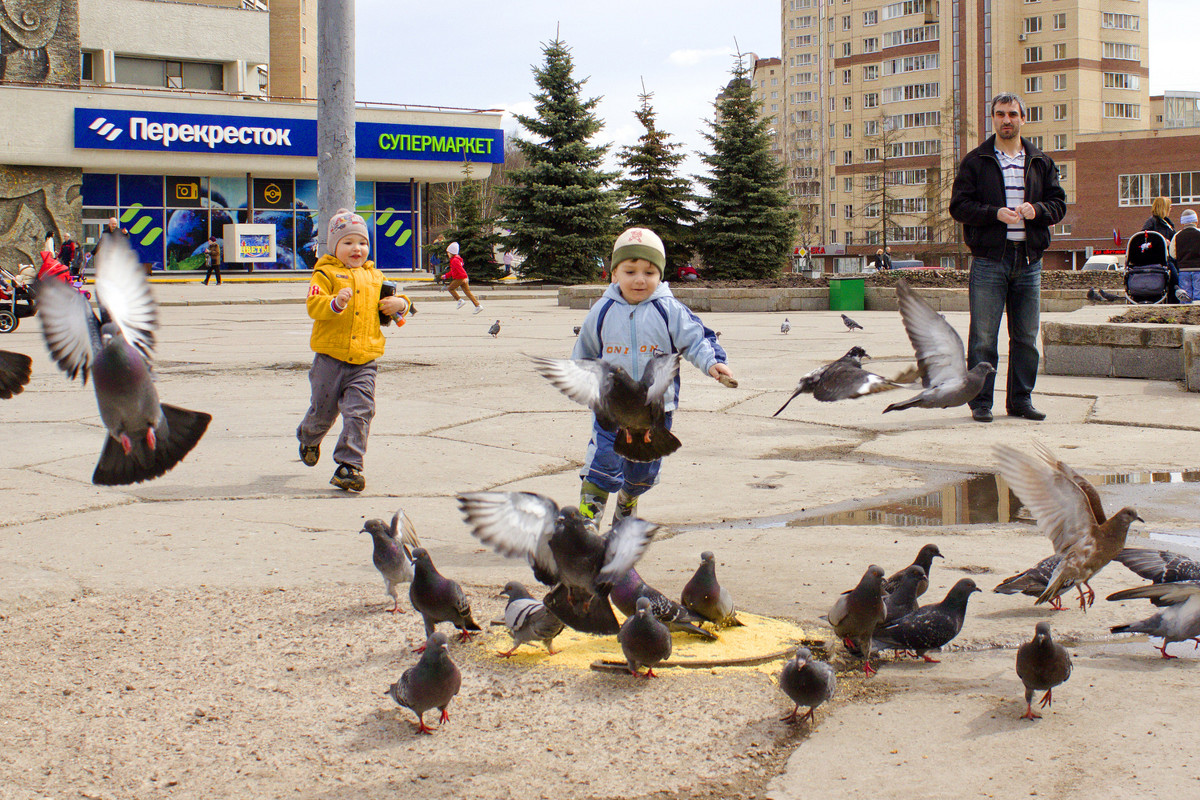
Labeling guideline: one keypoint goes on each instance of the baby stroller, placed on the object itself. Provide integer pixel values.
(16, 298)
(1147, 276)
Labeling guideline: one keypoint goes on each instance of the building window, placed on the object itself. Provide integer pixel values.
(1120, 80)
(1060, 141)
(849, 238)
(1033, 84)
(871, 72)
(1122, 111)
(847, 49)
(847, 130)
(848, 185)
(1033, 114)
(303, 35)
(1060, 82)
(847, 156)
(871, 45)
(848, 103)
(1036, 141)
(1126, 52)
(1062, 171)
(1060, 22)
(1140, 190)
(846, 22)
(871, 127)
(846, 78)
(85, 67)
(1033, 54)
(163, 74)
(304, 63)
(871, 154)
(870, 100)
(848, 212)
(871, 17)
(1033, 24)
(1120, 22)
(1060, 111)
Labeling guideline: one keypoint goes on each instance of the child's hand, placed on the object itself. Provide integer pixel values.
(343, 297)
(722, 373)
(391, 306)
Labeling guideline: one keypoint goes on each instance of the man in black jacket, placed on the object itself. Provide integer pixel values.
(1007, 197)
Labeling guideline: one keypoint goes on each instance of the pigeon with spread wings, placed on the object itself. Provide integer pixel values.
(15, 371)
(843, 379)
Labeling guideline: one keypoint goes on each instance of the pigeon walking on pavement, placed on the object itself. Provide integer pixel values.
(495, 329)
(644, 640)
(929, 627)
(850, 324)
(924, 560)
(1094, 296)
(635, 409)
(902, 599)
(785, 326)
(843, 379)
(146, 438)
(528, 620)
(630, 588)
(1033, 582)
(15, 370)
(941, 357)
(438, 598)
(1179, 618)
(806, 682)
(1160, 566)
(393, 552)
(857, 613)
(703, 595)
(1042, 664)
(432, 683)
(1112, 298)
(1068, 510)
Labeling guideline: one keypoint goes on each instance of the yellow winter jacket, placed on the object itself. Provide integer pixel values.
(353, 335)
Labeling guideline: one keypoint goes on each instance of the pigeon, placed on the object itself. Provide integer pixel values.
(562, 548)
(644, 640)
(1042, 664)
(1179, 619)
(438, 598)
(392, 554)
(1160, 566)
(495, 329)
(15, 370)
(785, 326)
(806, 682)
(1033, 582)
(635, 409)
(704, 596)
(850, 324)
(146, 438)
(1112, 298)
(577, 329)
(1068, 510)
(856, 614)
(929, 627)
(924, 560)
(902, 599)
(432, 683)
(843, 379)
(528, 620)
(630, 588)
(1094, 296)
(940, 356)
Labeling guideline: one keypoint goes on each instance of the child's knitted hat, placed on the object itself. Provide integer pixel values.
(344, 223)
(1188, 217)
(640, 243)
(452, 249)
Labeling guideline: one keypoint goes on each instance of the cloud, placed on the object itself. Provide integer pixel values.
(690, 58)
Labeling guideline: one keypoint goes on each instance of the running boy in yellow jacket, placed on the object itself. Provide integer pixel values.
(344, 303)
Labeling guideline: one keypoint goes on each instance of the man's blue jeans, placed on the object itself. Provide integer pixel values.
(1011, 287)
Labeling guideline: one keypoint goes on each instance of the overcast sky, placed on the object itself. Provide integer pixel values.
(479, 54)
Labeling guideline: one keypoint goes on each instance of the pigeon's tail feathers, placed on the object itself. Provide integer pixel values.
(909, 375)
(912, 402)
(184, 429)
(645, 446)
(1019, 584)
(15, 370)
(689, 627)
(1150, 625)
(1054, 588)
(795, 394)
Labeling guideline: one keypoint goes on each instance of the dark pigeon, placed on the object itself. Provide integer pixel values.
(708, 598)
(630, 588)
(924, 560)
(644, 640)
(1112, 298)
(146, 438)
(432, 683)
(392, 553)
(1033, 582)
(1160, 566)
(495, 329)
(929, 627)
(1094, 296)
(940, 356)
(528, 620)
(1179, 619)
(438, 598)
(577, 329)
(634, 409)
(785, 326)
(15, 371)
(851, 324)
(843, 379)
(902, 599)
(806, 682)
(1042, 664)
(857, 613)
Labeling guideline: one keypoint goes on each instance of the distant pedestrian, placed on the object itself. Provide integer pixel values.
(212, 259)
(883, 261)
(1185, 249)
(1159, 220)
(458, 279)
(508, 259)
(435, 260)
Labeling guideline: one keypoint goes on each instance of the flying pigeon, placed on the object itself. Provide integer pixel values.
(785, 326)
(562, 548)
(843, 379)
(1160, 566)
(806, 682)
(940, 356)
(850, 324)
(703, 595)
(1042, 664)
(495, 329)
(145, 438)
(438, 598)
(856, 614)
(644, 640)
(1068, 510)
(902, 599)
(1033, 582)
(528, 620)
(1179, 619)
(432, 683)
(924, 560)
(1112, 298)
(635, 409)
(929, 627)
(15, 370)
(630, 588)
(392, 554)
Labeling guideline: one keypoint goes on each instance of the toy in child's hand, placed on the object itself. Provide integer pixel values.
(389, 289)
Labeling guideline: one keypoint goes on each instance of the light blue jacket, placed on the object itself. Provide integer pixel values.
(627, 335)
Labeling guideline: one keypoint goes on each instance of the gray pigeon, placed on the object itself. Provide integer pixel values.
(634, 409)
(1042, 664)
(1179, 619)
(785, 326)
(630, 588)
(644, 640)
(940, 356)
(1160, 566)
(392, 553)
(1033, 582)
(577, 329)
(563, 550)
(1094, 296)
(924, 560)
(15, 370)
(1112, 298)
(145, 438)
(929, 627)
(438, 598)
(806, 682)
(495, 329)
(843, 379)
(902, 599)
(850, 324)
(708, 598)
(432, 683)
(857, 613)
(528, 620)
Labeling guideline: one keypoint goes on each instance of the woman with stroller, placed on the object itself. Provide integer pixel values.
(1160, 222)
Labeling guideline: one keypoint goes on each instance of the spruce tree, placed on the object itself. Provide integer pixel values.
(656, 197)
(558, 207)
(474, 233)
(748, 221)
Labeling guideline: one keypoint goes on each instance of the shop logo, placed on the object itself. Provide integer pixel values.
(187, 191)
(273, 194)
(106, 129)
(395, 231)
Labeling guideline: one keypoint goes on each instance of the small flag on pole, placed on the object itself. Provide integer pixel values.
(1116, 235)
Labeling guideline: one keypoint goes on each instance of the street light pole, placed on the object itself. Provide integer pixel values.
(335, 111)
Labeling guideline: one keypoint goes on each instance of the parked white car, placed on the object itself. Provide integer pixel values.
(1104, 264)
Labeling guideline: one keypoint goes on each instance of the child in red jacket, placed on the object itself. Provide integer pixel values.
(458, 279)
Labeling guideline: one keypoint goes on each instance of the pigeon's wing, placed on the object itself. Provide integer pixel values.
(1055, 500)
(1089, 491)
(938, 346)
(15, 371)
(69, 326)
(842, 381)
(1160, 566)
(514, 524)
(623, 546)
(658, 376)
(124, 293)
(585, 381)
(405, 535)
(1168, 593)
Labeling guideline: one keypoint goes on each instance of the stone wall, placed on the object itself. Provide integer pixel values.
(34, 200)
(40, 42)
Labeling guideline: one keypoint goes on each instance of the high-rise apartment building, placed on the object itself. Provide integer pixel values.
(294, 49)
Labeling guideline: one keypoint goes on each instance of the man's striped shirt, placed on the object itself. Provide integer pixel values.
(1013, 169)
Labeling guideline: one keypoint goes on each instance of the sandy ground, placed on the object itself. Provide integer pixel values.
(221, 632)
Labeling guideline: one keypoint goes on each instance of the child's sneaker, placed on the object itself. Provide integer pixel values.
(310, 454)
(461, 303)
(349, 478)
(477, 309)
(626, 506)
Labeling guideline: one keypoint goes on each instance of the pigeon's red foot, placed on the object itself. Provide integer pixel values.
(628, 437)
(465, 635)
(649, 673)
(792, 717)
(422, 727)
(420, 649)
(646, 439)
(1030, 713)
(849, 644)
(126, 445)
(929, 660)
(151, 439)
(1056, 604)
(1164, 652)
(442, 720)
(868, 669)
(1047, 698)
(508, 653)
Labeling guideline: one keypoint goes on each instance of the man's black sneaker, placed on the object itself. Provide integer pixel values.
(981, 414)
(310, 454)
(1027, 412)
(349, 478)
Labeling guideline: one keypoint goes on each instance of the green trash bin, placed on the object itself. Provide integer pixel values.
(846, 294)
